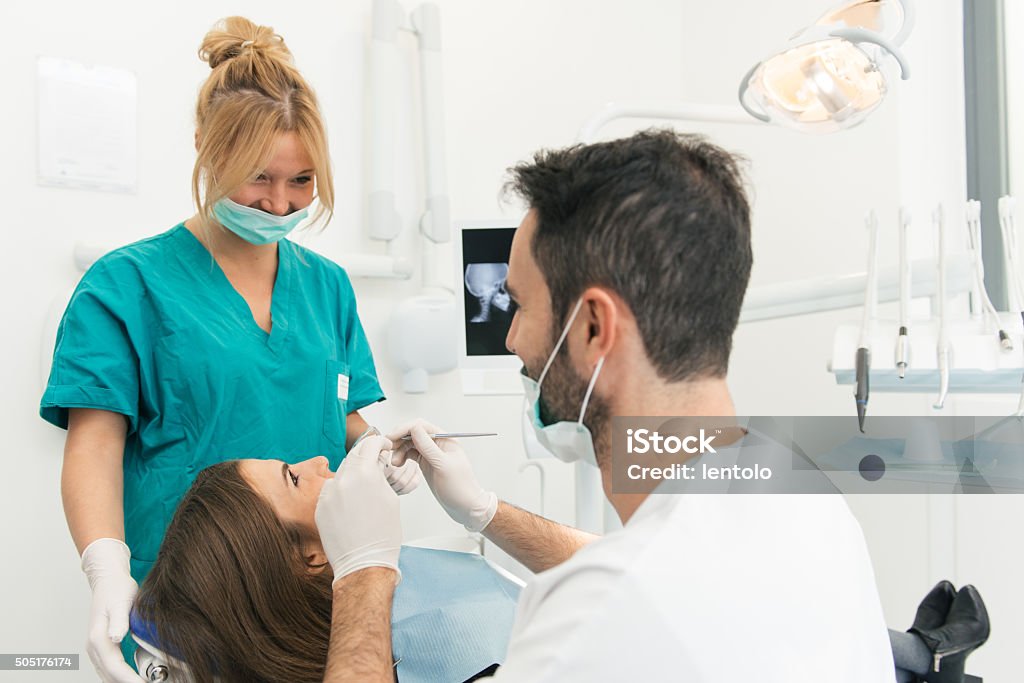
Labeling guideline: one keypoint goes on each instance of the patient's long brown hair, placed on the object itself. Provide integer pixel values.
(230, 592)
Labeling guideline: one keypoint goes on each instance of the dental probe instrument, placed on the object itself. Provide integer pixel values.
(371, 431)
(1008, 227)
(453, 435)
(902, 344)
(988, 312)
(384, 457)
(942, 347)
(863, 360)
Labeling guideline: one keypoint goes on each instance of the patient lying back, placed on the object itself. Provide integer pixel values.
(241, 591)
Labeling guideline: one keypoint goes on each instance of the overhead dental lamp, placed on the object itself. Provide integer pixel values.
(834, 73)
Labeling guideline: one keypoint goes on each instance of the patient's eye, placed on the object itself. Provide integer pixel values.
(295, 478)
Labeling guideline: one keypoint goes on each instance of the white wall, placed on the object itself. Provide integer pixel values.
(1014, 18)
(518, 76)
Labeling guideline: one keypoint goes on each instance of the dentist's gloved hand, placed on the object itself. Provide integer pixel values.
(105, 562)
(448, 473)
(403, 479)
(357, 512)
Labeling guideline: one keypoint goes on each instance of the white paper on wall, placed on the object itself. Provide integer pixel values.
(87, 126)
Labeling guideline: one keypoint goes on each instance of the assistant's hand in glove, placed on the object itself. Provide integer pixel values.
(105, 562)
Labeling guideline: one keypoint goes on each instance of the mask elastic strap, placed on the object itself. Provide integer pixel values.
(561, 339)
(590, 389)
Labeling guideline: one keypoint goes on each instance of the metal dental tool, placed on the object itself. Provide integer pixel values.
(371, 431)
(942, 347)
(863, 360)
(988, 312)
(453, 435)
(902, 344)
(383, 460)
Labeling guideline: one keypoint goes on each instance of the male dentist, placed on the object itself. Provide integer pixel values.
(628, 272)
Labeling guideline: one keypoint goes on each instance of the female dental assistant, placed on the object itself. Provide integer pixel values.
(214, 340)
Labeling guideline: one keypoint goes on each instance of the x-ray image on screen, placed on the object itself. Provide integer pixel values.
(486, 281)
(488, 306)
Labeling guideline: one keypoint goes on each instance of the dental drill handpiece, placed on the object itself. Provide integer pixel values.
(902, 343)
(863, 358)
(861, 396)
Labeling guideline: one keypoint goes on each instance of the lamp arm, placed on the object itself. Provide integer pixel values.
(744, 85)
(909, 17)
(861, 35)
(613, 111)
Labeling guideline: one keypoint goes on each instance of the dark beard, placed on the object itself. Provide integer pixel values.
(562, 396)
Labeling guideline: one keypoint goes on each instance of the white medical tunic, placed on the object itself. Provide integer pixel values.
(710, 587)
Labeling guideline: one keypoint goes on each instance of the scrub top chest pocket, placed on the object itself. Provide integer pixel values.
(336, 387)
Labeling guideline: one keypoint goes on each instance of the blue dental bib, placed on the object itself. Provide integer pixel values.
(452, 616)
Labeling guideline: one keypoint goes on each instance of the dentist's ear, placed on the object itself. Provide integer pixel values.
(601, 314)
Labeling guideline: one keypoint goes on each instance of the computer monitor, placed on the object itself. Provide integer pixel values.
(481, 258)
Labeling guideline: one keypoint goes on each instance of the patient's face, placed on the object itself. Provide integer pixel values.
(291, 490)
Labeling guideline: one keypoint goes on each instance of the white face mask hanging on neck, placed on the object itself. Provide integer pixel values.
(567, 441)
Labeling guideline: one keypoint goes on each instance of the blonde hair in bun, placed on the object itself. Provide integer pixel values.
(253, 94)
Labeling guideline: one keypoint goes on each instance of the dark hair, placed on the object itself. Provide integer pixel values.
(230, 593)
(660, 218)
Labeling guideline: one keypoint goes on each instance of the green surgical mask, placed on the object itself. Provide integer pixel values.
(567, 441)
(255, 226)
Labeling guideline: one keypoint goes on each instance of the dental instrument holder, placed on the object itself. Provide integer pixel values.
(979, 364)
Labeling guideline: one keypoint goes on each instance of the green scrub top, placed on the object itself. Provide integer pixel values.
(156, 332)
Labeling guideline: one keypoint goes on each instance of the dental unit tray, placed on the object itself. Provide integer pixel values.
(978, 364)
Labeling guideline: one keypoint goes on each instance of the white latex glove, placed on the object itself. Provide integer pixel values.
(402, 479)
(105, 562)
(448, 473)
(357, 512)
